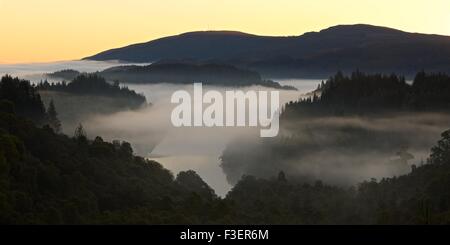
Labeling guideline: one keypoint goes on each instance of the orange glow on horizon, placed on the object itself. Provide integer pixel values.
(51, 30)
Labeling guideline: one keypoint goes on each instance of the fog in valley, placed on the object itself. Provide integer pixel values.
(149, 129)
(34, 71)
(340, 151)
(152, 135)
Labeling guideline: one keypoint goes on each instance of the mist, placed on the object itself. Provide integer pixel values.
(152, 135)
(149, 129)
(341, 151)
(336, 150)
(35, 72)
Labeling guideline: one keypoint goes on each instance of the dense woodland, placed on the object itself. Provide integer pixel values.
(51, 178)
(362, 93)
(85, 96)
(92, 84)
(189, 72)
(357, 123)
(26, 102)
(352, 122)
(67, 74)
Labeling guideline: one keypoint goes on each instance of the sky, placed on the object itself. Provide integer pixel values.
(55, 30)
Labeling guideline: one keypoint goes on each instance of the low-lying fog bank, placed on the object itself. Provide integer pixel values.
(35, 71)
(149, 129)
(336, 150)
(151, 133)
(339, 150)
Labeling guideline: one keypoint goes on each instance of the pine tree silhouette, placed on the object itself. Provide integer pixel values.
(53, 120)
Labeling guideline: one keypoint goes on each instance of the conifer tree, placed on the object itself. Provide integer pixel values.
(53, 120)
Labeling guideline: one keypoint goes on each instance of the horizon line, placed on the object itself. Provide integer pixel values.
(210, 30)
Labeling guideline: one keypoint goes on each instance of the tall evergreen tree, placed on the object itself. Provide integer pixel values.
(53, 120)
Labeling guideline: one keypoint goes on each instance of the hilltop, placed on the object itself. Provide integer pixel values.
(313, 54)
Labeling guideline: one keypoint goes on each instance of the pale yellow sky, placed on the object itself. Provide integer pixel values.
(51, 30)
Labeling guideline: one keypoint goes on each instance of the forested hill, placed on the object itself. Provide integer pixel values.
(67, 74)
(88, 95)
(356, 122)
(420, 197)
(357, 127)
(317, 54)
(92, 84)
(49, 178)
(365, 94)
(189, 72)
(27, 102)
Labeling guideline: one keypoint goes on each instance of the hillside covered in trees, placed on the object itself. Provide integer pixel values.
(67, 74)
(363, 94)
(88, 95)
(51, 178)
(420, 197)
(353, 128)
(19, 97)
(189, 72)
(91, 84)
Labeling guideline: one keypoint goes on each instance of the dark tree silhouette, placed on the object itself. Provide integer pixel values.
(27, 102)
(53, 120)
(79, 133)
(48, 178)
(92, 84)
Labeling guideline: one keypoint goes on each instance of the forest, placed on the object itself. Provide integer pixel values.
(361, 93)
(185, 72)
(47, 177)
(66, 74)
(350, 129)
(87, 95)
(92, 84)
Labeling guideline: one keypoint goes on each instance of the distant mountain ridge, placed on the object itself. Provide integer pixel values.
(343, 47)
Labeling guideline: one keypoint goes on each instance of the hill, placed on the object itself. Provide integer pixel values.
(188, 72)
(344, 47)
(50, 178)
(88, 95)
(92, 84)
(68, 74)
(361, 126)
